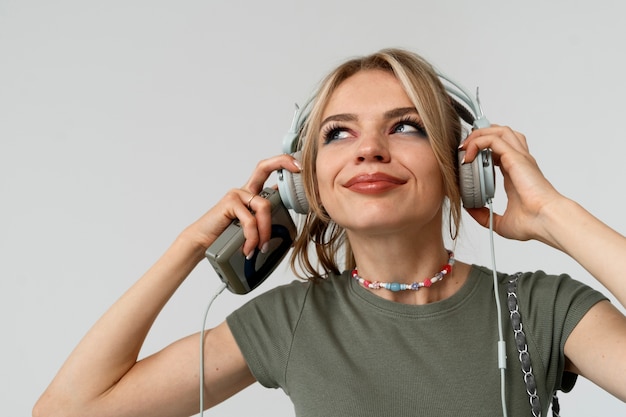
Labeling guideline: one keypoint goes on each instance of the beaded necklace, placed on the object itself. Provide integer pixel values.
(398, 286)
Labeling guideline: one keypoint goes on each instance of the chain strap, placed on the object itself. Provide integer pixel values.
(524, 356)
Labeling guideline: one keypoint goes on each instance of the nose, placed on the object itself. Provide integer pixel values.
(373, 147)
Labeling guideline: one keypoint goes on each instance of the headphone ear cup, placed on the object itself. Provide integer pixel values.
(476, 179)
(291, 190)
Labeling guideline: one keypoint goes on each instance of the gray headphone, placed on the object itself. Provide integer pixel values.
(476, 179)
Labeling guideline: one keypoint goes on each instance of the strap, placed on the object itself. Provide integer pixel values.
(524, 356)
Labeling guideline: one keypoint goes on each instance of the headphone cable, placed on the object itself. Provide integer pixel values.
(221, 288)
(501, 342)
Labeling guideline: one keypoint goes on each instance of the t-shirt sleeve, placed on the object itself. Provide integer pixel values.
(551, 307)
(264, 327)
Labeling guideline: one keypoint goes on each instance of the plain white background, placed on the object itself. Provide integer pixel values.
(123, 121)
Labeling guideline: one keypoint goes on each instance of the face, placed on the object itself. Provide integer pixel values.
(376, 171)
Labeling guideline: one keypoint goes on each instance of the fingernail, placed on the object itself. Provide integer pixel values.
(297, 164)
(463, 160)
(265, 247)
(250, 255)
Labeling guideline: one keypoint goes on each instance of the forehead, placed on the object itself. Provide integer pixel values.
(367, 91)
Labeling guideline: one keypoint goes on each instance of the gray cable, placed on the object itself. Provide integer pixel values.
(501, 342)
(221, 288)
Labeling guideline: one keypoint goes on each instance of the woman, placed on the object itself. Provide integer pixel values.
(379, 166)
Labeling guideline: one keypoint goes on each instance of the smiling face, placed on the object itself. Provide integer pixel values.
(376, 170)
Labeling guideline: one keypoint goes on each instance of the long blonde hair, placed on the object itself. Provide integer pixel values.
(442, 124)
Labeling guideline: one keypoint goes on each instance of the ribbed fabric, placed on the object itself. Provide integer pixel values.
(338, 350)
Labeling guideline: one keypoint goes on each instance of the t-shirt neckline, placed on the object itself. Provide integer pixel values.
(444, 306)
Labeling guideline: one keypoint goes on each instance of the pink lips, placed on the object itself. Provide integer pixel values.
(373, 183)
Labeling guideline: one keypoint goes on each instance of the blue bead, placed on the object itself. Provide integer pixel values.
(395, 286)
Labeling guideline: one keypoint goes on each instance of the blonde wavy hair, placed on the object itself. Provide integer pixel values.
(319, 234)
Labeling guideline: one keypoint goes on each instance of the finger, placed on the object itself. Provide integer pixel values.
(255, 221)
(514, 138)
(501, 140)
(505, 132)
(248, 223)
(265, 167)
(261, 208)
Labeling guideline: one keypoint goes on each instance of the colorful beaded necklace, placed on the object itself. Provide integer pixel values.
(398, 286)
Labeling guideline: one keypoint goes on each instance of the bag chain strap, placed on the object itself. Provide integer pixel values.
(524, 356)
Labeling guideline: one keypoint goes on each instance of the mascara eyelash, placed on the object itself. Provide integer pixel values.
(329, 130)
(416, 123)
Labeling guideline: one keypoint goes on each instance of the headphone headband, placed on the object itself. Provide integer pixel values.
(460, 95)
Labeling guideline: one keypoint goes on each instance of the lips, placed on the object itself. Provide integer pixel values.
(373, 183)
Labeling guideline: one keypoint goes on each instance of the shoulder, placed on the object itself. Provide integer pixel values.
(550, 303)
(287, 301)
(550, 307)
(559, 297)
(561, 291)
(539, 285)
(264, 328)
(284, 298)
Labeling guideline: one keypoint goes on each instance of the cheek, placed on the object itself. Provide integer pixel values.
(437, 183)
(425, 170)
(327, 168)
(324, 181)
(435, 177)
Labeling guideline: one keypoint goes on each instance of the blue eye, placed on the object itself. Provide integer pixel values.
(410, 127)
(333, 133)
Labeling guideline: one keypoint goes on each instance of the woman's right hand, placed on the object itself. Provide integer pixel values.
(254, 213)
(102, 376)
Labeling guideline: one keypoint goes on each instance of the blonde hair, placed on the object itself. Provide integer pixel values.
(442, 124)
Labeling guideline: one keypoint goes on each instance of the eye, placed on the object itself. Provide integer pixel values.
(334, 132)
(410, 127)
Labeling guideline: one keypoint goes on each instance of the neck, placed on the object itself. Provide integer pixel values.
(406, 260)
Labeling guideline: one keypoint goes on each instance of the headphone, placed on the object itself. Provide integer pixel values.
(476, 179)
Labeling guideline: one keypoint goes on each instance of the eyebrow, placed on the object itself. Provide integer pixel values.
(349, 117)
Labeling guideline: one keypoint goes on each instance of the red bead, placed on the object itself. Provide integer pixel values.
(366, 283)
(447, 269)
(354, 273)
(427, 282)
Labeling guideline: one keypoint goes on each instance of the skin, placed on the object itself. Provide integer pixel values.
(536, 210)
(372, 144)
(381, 162)
(397, 232)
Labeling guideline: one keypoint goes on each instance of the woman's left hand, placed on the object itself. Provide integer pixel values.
(535, 210)
(528, 191)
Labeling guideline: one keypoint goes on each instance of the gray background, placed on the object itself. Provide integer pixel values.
(123, 121)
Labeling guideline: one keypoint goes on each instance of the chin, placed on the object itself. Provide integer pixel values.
(375, 225)
(390, 221)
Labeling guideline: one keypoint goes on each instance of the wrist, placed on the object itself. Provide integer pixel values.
(556, 218)
(192, 244)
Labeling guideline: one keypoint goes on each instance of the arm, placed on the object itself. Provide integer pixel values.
(596, 349)
(535, 210)
(102, 376)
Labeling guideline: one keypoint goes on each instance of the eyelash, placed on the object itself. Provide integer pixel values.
(330, 130)
(413, 122)
(334, 128)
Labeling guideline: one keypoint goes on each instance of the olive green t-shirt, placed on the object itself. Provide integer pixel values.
(337, 349)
